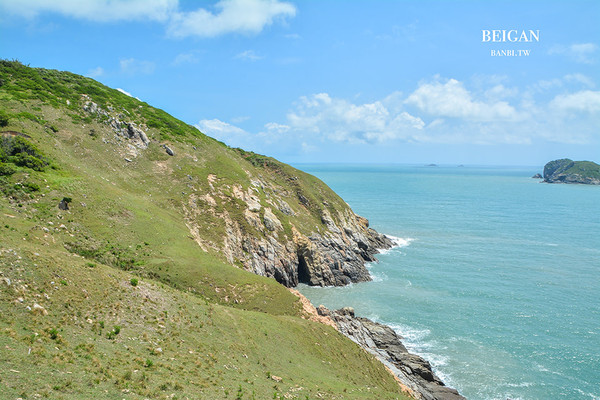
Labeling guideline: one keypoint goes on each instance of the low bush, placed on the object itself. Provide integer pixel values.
(4, 118)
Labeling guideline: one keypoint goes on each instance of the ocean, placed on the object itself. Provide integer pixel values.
(495, 279)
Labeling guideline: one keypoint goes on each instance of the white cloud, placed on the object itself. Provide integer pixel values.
(240, 16)
(133, 66)
(436, 112)
(500, 92)
(226, 16)
(585, 101)
(127, 93)
(579, 52)
(230, 134)
(94, 10)
(451, 99)
(95, 72)
(580, 78)
(124, 92)
(275, 127)
(185, 58)
(248, 55)
(342, 121)
(242, 118)
(445, 111)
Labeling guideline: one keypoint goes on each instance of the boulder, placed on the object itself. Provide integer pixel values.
(272, 223)
(39, 310)
(169, 150)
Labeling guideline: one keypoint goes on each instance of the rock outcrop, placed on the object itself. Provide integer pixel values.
(133, 135)
(338, 256)
(334, 254)
(569, 171)
(537, 176)
(384, 343)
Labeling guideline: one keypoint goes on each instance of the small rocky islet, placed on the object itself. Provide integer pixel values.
(568, 171)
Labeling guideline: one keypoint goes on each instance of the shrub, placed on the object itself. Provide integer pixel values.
(30, 187)
(4, 118)
(53, 333)
(134, 282)
(29, 161)
(20, 151)
(6, 169)
(112, 334)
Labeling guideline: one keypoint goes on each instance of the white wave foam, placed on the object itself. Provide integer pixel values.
(590, 395)
(397, 242)
(412, 335)
(400, 242)
(379, 277)
(416, 342)
(519, 385)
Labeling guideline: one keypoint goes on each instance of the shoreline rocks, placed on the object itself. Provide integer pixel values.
(385, 344)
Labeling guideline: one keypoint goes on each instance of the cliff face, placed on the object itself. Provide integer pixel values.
(569, 171)
(334, 254)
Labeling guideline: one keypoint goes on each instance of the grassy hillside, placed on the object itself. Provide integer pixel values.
(123, 294)
(585, 168)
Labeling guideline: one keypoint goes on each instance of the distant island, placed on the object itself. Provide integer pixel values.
(569, 171)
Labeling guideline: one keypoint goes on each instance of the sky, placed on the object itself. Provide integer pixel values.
(340, 81)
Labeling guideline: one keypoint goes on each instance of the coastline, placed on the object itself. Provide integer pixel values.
(413, 373)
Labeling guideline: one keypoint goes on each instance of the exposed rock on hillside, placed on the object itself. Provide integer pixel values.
(381, 341)
(136, 136)
(333, 255)
(569, 171)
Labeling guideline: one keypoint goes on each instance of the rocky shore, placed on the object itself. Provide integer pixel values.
(411, 370)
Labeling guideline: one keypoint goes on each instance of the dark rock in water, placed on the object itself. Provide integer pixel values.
(569, 171)
(537, 176)
(431, 165)
(386, 345)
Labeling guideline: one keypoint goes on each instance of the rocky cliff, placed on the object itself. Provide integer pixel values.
(384, 343)
(569, 171)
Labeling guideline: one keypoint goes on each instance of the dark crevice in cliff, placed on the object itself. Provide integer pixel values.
(303, 274)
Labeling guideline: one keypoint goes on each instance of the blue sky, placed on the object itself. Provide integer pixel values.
(339, 81)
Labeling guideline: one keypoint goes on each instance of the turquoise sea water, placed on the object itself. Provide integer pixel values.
(497, 281)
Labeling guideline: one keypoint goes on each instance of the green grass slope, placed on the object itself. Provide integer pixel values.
(115, 297)
(585, 168)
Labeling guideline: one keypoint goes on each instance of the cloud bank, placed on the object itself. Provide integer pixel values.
(240, 16)
(94, 10)
(440, 111)
(225, 17)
